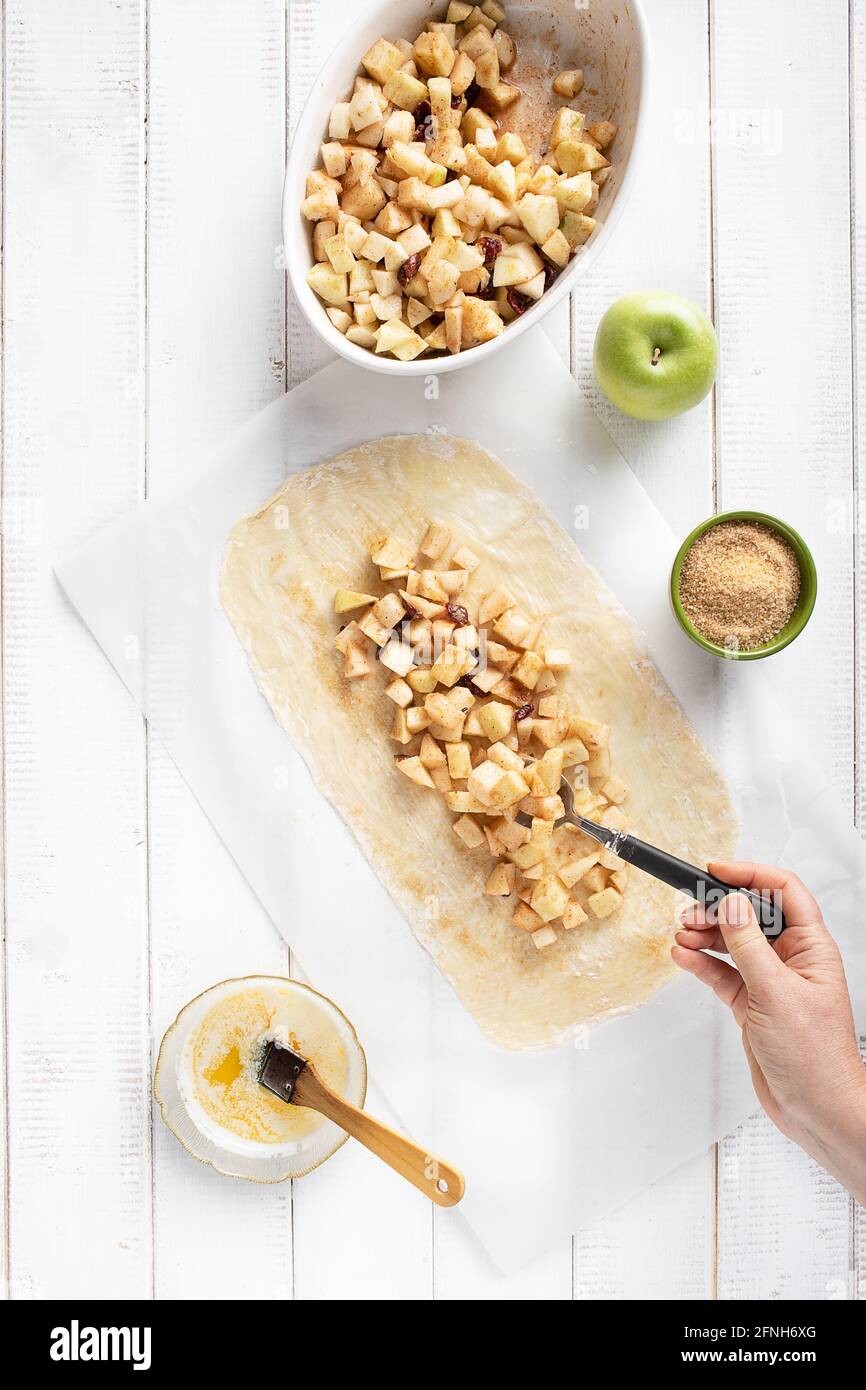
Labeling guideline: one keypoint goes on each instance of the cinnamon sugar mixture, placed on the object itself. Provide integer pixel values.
(739, 584)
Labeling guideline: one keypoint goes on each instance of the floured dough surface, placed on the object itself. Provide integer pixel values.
(282, 567)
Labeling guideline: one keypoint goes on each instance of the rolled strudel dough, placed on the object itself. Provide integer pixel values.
(282, 567)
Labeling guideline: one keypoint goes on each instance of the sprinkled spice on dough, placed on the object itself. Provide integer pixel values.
(739, 584)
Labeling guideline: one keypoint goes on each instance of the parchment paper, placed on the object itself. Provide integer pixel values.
(549, 1141)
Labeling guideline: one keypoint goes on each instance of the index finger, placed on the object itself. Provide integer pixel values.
(798, 905)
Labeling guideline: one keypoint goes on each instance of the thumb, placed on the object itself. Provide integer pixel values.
(749, 949)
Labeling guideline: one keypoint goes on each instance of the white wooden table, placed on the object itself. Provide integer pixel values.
(145, 315)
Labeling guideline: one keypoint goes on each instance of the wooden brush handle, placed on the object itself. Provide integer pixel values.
(440, 1182)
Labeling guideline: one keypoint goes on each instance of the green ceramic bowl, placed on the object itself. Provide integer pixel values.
(805, 602)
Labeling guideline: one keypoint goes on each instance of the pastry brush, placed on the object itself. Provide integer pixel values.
(295, 1080)
(701, 885)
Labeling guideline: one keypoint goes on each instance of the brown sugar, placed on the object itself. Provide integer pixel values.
(739, 584)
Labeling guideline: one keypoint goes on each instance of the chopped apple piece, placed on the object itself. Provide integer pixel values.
(466, 559)
(401, 693)
(328, 284)
(397, 656)
(573, 194)
(444, 713)
(598, 765)
(459, 760)
(356, 661)
(575, 869)
(567, 124)
(433, 55)
(422, 680)
(389, 609)
(347, 599)
(550, 898)
(400, 730)
(505, 757)
(517, 264)
(526, 919)
(603, 133)
(593, 732)
(487, 68)
(501, 882)
(544, 936)
(463, 804)
(573, 916)
(415, 770)
(382, 59)
(577, 228)
(528, 670)
(417, 719)
(511, 626)
(568, 84)
(615, 789)
(391, 554)
(502, 95)
(557, 247)
(376, 630)
(602, 904)
(539, 213)
(578, 157)
(430, 753)
(436, 541)
(495, 720)
(573, 752)
(595, 880)
(405, 91)
(469, 831)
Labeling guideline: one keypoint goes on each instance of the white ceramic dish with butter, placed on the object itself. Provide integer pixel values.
(178, 1089)
(606, 38)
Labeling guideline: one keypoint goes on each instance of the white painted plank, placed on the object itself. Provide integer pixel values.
(663, 241)
(215, 357)
(358, 1230)
(785, 446)
(4, 1128)
(853, 519)
(79, 1159)
(658, 1246)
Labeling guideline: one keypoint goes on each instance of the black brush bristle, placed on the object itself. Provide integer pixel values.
(280, 1069)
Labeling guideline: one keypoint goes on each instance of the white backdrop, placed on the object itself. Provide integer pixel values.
(144, 317)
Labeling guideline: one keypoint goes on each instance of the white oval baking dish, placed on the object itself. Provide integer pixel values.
(607, 38)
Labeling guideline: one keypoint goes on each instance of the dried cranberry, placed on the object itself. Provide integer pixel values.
(409, 268)
(487, 292)
(523, 713)
(455, 102)
(457, 613)
(422, 115)
(411, 613)
(491, 247)
(469, 684)
(550, 274)
(471, 93)
(519, 303)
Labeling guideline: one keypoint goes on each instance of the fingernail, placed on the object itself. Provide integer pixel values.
(735, 910)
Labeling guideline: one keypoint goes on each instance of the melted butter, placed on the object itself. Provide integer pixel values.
(225, 1052)
(226, 1071)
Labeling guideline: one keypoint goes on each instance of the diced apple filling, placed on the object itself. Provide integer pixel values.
(420, 176)
(480, 718)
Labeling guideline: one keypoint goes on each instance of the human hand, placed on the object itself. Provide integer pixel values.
(791, 1001)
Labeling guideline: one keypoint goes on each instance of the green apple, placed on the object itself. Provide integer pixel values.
(655, 355)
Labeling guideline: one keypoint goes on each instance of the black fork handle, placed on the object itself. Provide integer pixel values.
(704, 887)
